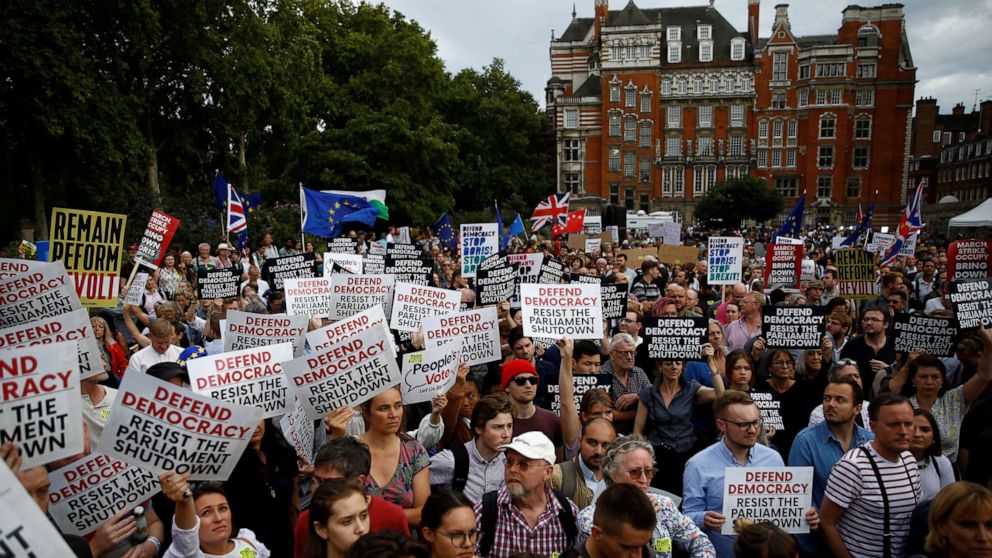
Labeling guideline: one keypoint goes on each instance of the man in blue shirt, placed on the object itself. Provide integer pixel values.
(739, 421)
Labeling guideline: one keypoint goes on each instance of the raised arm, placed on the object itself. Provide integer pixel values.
(132, 328)
(898, 380)
(708, 394)
(571, 427)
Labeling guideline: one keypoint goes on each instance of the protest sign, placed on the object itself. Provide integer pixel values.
(593, 245)
(41, 407)
(351, 294)
(159, 426)
(808, 272)
(788, 240)
(656, 230)
(882, 242)
(309, 297)
(671, 234)
(673, 255)
(969, 259)
(496, 259)
(413, 303)
(250, 377)
(89, 243)
(298, 266)
(674, 338)
(343, 374)
(70, 326)
(495, 285)
(856, 273)
(576, 241)
(551, 272)
(10, 267)
(909, 247)
(724, 256)
(377, 248)
(528, 266)
(402, 251)
(783, 266)
(415, 271)
(935, 335)
(297, 428)
(87, 492)
(343, 245)
(614, 300)
(582, 383)
(593, 224)
(478, 241)
(158, 234)
(46, 292)
(429, 373)
(583, 278)
(247, 331)
(373, 264)
(217, 283)
(972, 302)
(350, 262)
(770, 409)
(136, 289)
(404, 235)
(793, 327)
(478, 330)
(26, 531)
(41, 280)
(777, 495)
(562, 311)
(332, 334)
(614, 232)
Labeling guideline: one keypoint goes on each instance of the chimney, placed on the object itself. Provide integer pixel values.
(753, 7)
(602, 13)
(985, 118)
(924, 124)
(782, 17)
(958, 109)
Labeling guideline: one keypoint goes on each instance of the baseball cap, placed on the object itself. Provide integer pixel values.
(533, 445)
(515, 368)
(166, 371)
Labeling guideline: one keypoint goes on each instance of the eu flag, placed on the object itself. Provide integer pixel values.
(793, 223)
(249, 201)
(516, 228)
(325, 214)
(445, 232)
(863, 226)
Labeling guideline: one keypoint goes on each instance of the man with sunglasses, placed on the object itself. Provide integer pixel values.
(738, 419)
(519, 380)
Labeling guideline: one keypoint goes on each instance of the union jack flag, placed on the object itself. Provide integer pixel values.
(236, 221)
(555, 208)
(910, 222)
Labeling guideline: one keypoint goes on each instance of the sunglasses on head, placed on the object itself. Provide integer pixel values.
(524, 380)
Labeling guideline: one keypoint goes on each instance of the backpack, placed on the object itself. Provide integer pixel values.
(490, 512)
(459, 476)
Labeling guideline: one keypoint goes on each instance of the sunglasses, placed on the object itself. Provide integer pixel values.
(524, 380)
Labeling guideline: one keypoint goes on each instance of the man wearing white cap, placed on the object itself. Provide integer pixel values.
(525, 515)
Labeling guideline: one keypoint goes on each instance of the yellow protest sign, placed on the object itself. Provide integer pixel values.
(90, 244)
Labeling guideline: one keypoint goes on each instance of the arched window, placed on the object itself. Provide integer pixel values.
(868, 36)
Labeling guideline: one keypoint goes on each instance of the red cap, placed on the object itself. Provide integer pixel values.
(515, 368)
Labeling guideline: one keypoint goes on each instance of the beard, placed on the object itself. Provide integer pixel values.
(515, 490)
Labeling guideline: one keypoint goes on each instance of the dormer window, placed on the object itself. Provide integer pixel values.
(705, 51)
(705, 32)
(674, 33)
(737, 49)
(674, 53)
(868, 36)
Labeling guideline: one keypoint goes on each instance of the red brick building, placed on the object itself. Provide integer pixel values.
(948, 150)
(651, 107)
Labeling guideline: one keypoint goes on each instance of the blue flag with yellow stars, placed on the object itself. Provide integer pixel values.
(249, 201)
(325, 214)
(445, 232)
(793, 223)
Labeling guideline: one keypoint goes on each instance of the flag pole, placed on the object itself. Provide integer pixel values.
(303, 203)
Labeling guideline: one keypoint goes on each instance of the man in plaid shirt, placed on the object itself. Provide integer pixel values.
(525, 515)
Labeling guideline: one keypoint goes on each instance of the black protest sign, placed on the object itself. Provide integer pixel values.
(675, 338)
(551, 272)
(856, 273)
(416, 271)
(587, 279)
(403, 251)
(219, 283)
(793, 327)
(343, 245)
(373, 264)
(972, 302)
(494, 285)
(496, 259)
(614, 300)
(769, 408)
(582, 382)
(299, 266)
(935, 335)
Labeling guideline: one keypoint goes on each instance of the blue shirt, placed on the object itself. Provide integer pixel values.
(816, 446)
(703, 482)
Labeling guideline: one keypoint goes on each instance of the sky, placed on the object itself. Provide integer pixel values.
(949, 39)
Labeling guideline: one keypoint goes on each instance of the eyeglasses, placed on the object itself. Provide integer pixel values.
(845, 362)
(458, 538)
(625, 353)
(646, 472)
(744, 425)
(783, 363)
(524, 380)
(521, 464)
(626, 321)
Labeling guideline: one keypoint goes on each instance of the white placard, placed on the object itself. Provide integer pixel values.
(593, 245)
(350, 262)
(244, 330)
(429, 373)
(11, 267)
(412, 303)
(331, 334)
(808, 270)
(251, 377)
(352, 294)
(614, 231)
(136, 289)
(724, 257)
(309, 297)
(656, 230)
(479, 240)
(562, 311)
(788, 240)
(47, 305)
(87, 492)
(672, 234)
(71, 326)
(41, 280)
(593, 224)
(42, 407)
(777, 495)
(344, 374)
(158, 426)
(297, 428)
(26, 532)
(478, 331)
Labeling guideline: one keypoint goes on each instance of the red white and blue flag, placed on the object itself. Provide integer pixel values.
(236, 221)
(553, 210)
(910, 222)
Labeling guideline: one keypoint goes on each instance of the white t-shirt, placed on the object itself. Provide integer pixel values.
(96, 416)
(141, 360)
(186, 544)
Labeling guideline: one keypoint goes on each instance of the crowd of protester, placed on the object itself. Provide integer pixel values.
(900, 444)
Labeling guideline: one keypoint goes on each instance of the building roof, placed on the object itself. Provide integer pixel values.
(577, 30)
(592, 87)
(630, 15)
(958, 122)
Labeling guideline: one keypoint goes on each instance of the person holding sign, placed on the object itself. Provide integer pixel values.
(664, 414)
(203, 522)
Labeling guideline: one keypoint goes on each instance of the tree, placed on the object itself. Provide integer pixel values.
(731, 202)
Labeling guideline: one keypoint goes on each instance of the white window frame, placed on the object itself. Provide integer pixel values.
(737, 116)
(630, 164)
(802, 98)
(705, 116)
(736, 146)
(571, 118)
(821, 96)
(616, 128)
(737, 49)
(705, 51)
(790, 158)
(630, 97)
(674, 52)
(673, 117)
(666, 87)
(615, 93)
(674, 34)
(858, 121)
(704, 146)
(836, 96)
(697, 181)
(571, 150)
(854, 156)
(673, 146)
(629, 129)
(644, 136)
(820, 156)
(828, 127)
(678, 185)
(780, 66)
(645, 102)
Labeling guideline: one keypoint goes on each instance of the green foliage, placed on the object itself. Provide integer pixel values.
(731, 202)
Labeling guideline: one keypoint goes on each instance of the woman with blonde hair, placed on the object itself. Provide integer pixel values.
(112, 351)
(961, 522)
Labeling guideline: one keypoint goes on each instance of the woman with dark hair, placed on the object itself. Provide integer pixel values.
(263, 488)
(935, 469)
(203, 523)
(448, 525)
(740, 371)
(169, 276)
(596, 403)
(399, 462)
(796, 399)
(339, 516)
(763, 540)
(387, 544)
(961, 522)
(664, 416)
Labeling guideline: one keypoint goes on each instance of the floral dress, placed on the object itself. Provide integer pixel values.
(399, 490)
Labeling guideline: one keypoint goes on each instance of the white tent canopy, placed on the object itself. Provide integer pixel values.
(980, 216)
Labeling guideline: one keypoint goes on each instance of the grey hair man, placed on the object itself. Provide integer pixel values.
(627, 378)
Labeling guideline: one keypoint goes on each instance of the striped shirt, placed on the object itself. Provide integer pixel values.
(853, 486)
